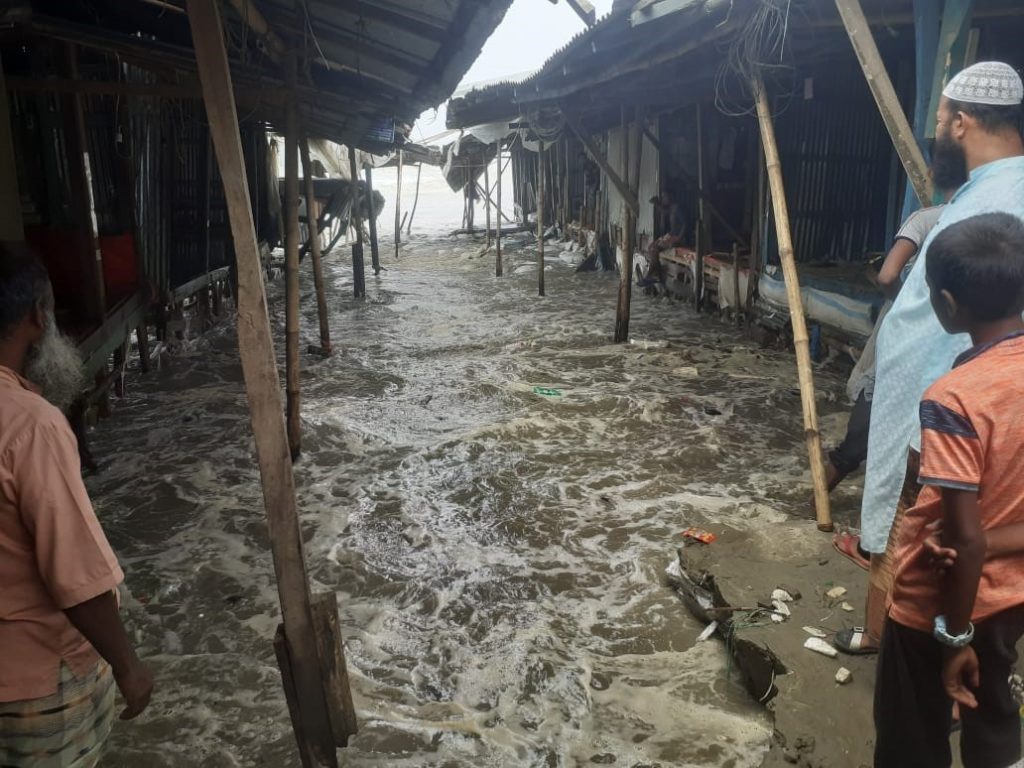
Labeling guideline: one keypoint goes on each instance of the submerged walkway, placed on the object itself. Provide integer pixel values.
(494, 490)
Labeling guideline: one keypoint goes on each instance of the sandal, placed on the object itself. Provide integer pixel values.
(854, 642)
(848, 545)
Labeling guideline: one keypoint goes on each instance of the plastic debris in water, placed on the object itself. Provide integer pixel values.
(818, 645)
(699, 534)
(547, 391)
(782, 595)
(709, 630)
(781, 607)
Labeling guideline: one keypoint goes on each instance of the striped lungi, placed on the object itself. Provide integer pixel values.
(65, 730)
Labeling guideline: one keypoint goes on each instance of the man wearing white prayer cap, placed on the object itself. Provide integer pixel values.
(978, 148)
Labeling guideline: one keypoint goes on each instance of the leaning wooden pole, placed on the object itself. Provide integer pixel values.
(796, 308)
(885, 96)
(374, 246)
(312, 219)
(356, 222)
(291, 267)
(259, 369)
(625, 299)
(497, 235)
(540, 218)
(398, 203)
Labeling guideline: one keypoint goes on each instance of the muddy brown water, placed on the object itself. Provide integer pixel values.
(498, 554)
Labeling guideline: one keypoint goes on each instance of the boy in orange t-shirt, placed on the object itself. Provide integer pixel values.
(953, 636)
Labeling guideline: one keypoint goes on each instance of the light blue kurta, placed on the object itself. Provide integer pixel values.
(913, 351)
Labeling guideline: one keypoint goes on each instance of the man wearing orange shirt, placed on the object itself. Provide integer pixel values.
(63, 647)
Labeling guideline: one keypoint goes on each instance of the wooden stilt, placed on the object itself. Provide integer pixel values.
(796, 308)
(398, 203)
(142, 336)
(415, 200)
(358, 271)
(259, 368)
(625, 298)
(291, 267)
(540, 218)
(885, 96)
(312, 216)
(497, 236)
(335, 670)
(217, 292)
(487, 202)
(736, 280)
(702, 240)
(374, 247)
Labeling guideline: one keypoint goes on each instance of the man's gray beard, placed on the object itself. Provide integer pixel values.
(55, 366)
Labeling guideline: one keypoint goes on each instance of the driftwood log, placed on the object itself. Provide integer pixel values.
(757, 664)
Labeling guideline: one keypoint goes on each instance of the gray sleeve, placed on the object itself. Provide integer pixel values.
(919, 224)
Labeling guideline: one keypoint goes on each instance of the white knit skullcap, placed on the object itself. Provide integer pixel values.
(987, 82)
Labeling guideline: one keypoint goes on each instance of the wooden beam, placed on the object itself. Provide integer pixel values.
(259, 369)
(312, 217)
(291, 268)
(625, 297)
(358, 271)
(334, 668)
(398, 203)
(796, 307)
(624, 191)
(702, 241)
(11, 225)
(374, 245)
(253, 19)
(497, 236)
(540, 218)
(885, 96)
(584, 10)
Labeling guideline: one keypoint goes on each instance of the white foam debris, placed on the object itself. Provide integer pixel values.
(815, 632)
(709, 630)
(782, 595)
(836, 593)
(843, 675)
(781, 607)
(818, 645)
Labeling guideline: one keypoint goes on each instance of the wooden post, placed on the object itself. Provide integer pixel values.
(736, 280)
(885, 96)
(374, 248)
(142, 336)
(702, 238)
(80, 172)
(291, 266)
(487, 202)
(415, 201)
(358, 272)
(540, 217)
(625, 298)
(312, 219)
(796, 308)
(335, 670)
(398, 203)
(602, 162)
(259, 368)
(497, 235)
(11, 225)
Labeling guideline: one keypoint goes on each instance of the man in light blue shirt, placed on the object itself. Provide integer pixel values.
(978, 142)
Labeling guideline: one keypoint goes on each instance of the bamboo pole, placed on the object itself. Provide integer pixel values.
(497, 236)
(885, 96)
(415, 200)
(487, 202)
(540, 218)
(259, 368)
(796, 309)
(702, 238)
(291, 269)
(358, 271)
(398, 203)
(374, 246)
(312, 219)
(736, 280)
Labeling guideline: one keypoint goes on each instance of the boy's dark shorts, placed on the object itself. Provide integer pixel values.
(913, 713)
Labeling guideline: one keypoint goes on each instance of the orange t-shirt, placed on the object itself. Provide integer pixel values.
(972, 438)
(53, 554)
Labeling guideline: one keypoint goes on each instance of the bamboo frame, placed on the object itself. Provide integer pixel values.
(312, 216)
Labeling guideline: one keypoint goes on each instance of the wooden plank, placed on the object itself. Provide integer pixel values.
(584, 10)
(374, 245)
(312, 217)
(497, 237)
(333, 667)
(293, 371)
(703, 241)
(291, 696)
(398, 203)
(796, 307)
(885, 96)
(625, 296)
(259, 368)
(602, 163)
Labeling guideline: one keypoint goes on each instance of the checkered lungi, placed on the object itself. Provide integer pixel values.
(65, 730)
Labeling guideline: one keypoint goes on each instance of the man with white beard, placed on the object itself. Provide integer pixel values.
(64, 647)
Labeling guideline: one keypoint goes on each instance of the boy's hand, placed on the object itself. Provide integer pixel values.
(960, 670)
(940, 558)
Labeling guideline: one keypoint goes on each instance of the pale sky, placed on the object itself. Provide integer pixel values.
(531, 31)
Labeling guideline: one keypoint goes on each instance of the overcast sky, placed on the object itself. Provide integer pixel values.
(531, 31)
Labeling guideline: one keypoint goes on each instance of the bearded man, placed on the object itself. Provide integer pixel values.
(64, 647)
(979, 152)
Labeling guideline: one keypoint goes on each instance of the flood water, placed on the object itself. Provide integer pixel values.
(498, 553)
